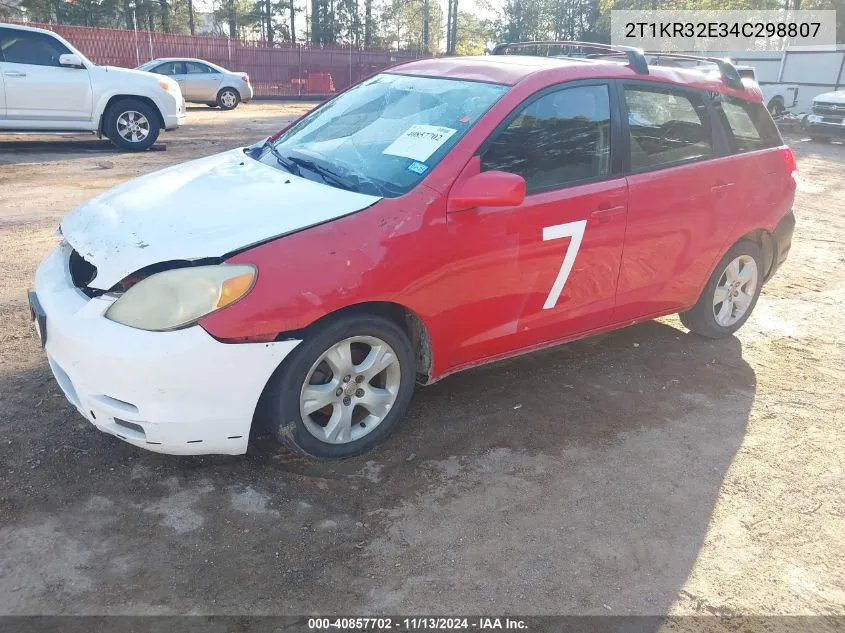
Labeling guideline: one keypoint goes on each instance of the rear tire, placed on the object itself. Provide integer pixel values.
(131, 125)
(228, 99)
(776, 107)
(363, 402)
(730, 294)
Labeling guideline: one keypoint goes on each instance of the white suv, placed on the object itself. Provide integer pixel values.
(46, 85)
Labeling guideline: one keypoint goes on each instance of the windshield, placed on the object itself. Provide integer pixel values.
(147, 65)
(382, 136)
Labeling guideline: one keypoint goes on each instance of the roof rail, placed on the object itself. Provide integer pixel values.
(636, 60)
(730, 75)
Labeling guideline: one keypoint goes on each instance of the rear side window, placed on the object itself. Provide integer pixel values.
(29, 47)
(666, 127)
(560, 139)
(193, 68)
(749, 124)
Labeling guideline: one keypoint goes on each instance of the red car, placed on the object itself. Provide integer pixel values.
(440, 215)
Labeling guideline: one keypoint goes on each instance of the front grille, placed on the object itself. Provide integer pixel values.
(836, 109)
(82, 273)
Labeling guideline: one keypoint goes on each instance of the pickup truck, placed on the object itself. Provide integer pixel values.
(47, 85)
(777, 97)
(828, 117)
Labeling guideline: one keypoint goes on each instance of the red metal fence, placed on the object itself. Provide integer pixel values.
(277, 71)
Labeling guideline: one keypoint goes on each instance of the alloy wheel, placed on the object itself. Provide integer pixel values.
(735, 290)
(350, 389)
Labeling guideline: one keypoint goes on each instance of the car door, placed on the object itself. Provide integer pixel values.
(2, 91)
(201, 82)
(37, 87)
(545, 270)
(681, 198)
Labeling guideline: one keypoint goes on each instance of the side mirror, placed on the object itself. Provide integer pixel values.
(488, 189)
(71, 59)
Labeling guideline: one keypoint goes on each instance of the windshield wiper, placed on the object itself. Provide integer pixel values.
(325, 173)
(281, 158)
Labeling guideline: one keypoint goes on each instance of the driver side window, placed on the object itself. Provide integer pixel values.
(560, 139)
(170, 68)
(27, 47)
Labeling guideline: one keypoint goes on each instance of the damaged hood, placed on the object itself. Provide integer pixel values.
(205, 208)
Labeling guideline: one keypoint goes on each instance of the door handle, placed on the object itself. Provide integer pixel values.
(606, 211)
(721, 186)
(14, 73)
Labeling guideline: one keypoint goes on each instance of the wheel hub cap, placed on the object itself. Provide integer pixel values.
(735, 290)
(133, 126)
(350, 389)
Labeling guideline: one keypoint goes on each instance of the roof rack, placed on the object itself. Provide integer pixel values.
(636, 57)
(636, 60)
(730, 75)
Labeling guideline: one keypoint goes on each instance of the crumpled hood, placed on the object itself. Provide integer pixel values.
(831, 97)
(205, 208)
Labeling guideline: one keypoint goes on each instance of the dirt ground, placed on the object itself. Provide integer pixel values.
(643, 472)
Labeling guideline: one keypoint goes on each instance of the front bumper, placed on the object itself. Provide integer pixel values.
(817, 126)
(173, 121)
(180, 392)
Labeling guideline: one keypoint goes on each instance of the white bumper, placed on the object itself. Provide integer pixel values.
(181, 392)
(172, 108)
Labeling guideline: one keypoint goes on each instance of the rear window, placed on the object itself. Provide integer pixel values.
(666, 127)
(749, 125)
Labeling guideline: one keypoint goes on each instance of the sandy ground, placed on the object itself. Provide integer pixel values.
(644, 472)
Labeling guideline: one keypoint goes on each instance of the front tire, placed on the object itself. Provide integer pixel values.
(344, 388)
(730, 294)
(228, 99)
(131, 125)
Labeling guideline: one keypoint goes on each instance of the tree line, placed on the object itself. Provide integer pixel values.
(408, 25)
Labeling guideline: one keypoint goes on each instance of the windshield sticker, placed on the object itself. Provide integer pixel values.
(418, 167)
(419, 142)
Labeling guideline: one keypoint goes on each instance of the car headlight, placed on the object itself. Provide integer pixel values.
(177, 298)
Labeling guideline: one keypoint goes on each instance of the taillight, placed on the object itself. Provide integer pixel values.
(789, 159)
(245, 77)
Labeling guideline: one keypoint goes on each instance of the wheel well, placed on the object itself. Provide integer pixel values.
(117, 98)
(407, 319)
(766, 242)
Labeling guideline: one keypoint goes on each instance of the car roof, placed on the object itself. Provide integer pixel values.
(512, 69)
(164, 60)
(21, 27)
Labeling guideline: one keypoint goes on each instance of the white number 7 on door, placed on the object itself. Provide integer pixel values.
(575, 230)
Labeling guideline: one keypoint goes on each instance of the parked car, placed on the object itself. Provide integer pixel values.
(204, 82)
(49, 86)
(435, 217)
(827, 119)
